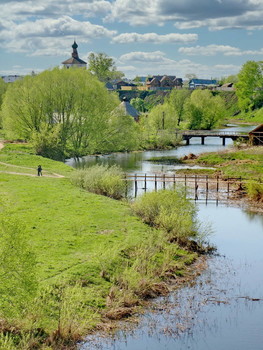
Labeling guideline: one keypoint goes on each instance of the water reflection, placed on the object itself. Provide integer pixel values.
(222, 310)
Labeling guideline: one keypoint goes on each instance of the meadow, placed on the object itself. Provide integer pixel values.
(73, 259)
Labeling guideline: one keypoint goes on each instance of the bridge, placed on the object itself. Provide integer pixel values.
(188, 134)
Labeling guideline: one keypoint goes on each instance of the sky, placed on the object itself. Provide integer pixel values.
(208, 38)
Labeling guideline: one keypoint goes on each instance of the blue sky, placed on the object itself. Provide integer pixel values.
(209, 38)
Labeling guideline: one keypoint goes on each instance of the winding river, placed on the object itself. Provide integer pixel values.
(223, 309)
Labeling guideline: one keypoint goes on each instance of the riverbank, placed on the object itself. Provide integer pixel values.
(91, 260)
(246, 163)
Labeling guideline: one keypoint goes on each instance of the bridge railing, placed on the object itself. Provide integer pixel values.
(207, 133)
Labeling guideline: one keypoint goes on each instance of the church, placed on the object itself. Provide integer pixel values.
(74, 61)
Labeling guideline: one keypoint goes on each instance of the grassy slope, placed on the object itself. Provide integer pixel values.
(247, 163)
(75, 234)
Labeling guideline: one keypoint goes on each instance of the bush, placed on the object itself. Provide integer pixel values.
(255, 191)
(100, 179)
(169, 210)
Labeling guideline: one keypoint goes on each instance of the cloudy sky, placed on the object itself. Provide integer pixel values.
(209, 38)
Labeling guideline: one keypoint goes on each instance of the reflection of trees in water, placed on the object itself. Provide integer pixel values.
(253, 216)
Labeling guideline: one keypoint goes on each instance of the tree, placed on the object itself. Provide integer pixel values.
(138, 103)
(3, 88)
(103, 67)
(64, 111)
(204, 110)
(177, 100)
(249, 86)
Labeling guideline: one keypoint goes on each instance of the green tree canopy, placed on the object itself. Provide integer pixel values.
(64, 111)
(103, 67)
(3, 88)
(177, 100)
(249, 88)
(204, 110)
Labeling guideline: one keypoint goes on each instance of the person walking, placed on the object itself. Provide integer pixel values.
(39, 170)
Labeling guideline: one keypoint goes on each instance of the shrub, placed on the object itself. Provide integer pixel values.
(255, 191)
(169, 210)
(100, 179)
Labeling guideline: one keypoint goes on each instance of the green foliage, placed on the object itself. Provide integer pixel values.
(204, 111)
(100, 179)
(3, 88)
(103, 67)
(177, 101)
(255, 191)
(249, 86)
(169, 210)
(138, 103)
(17, 270)
(72, 98)
(47, 143)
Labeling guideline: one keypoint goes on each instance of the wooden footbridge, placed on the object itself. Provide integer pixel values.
(189, 134)
(203, 185)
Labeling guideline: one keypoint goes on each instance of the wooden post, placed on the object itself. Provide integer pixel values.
(155, 182)
(206, 183)
(135, 185)
(185, 181)
(164, 181)
(126, 185)
(228, 184)
(174, 181)
(145, 182)
(217, 184)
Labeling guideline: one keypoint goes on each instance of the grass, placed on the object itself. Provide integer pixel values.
(247, 163)
(92, 255)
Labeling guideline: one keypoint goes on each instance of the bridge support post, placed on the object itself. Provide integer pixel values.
(187, 141)
(202, 140)
(223, 141)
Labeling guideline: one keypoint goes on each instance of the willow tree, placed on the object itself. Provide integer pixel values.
(70, 105)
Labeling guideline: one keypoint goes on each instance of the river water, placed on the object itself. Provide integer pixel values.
(223, 309)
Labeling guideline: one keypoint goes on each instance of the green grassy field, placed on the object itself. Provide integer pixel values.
(92, 255)
(247, 163)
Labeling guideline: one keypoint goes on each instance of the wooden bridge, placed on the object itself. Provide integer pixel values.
(188, 134)
(196, 184)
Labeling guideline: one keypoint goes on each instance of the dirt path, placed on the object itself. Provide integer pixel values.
(53, 175)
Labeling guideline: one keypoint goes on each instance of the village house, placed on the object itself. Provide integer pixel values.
(163, 82)
(74, 61)
(126, 109)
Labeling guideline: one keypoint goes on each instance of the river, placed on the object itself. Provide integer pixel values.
(223, 309)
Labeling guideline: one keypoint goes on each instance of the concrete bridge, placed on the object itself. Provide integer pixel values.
(188, 134)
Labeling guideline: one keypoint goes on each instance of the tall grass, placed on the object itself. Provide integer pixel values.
(169, 210)
(100, 179)
(255, 191)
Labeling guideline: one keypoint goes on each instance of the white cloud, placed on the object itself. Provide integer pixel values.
(48, 8)
(156, 62)
(175, 38)
(49, 36)
(212, 50)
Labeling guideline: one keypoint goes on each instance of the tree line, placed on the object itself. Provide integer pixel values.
(70, 113)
